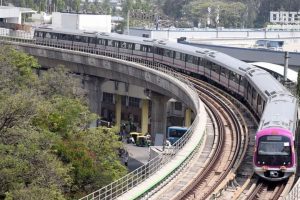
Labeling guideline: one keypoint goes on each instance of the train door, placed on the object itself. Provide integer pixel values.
(137, 50)
(254, 99)
(249, 93)
(259, 105)
(150, 53)
(101, 44)
(109, 45)
(207, 69)
(233, 81)
(115, 46)
(92, 43)
(242, 82)
(80, 42)
(224, 74)
(158, 54)
(215, 72)
(191, 63)
(123, 48)
(179, 60)
(168, 57)
(200, 66)
(65, 40)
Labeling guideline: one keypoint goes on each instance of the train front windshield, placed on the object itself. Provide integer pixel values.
(274, 151)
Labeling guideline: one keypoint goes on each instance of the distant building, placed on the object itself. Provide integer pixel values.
(87, 22)
(13, 15)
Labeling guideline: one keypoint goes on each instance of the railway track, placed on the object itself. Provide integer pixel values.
(214, 168)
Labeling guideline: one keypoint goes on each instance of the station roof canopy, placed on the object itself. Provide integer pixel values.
(291, 75)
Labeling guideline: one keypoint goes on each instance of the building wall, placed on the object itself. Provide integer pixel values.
(100, 23)
(173, 34)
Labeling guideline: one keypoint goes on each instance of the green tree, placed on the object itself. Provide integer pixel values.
(47, 150)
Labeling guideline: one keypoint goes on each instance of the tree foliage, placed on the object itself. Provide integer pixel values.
(47, 150)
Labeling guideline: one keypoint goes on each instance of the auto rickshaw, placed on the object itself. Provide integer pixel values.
(134, 136)
(142, 141)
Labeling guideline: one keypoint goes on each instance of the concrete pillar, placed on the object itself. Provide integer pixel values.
(145, 113)
(187, 117)
(93, 86)
(118, 109)
(158, 114)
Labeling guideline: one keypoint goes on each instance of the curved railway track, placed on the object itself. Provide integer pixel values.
(231, 145)
(212, 170)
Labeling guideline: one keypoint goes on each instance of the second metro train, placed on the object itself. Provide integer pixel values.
(274, 157)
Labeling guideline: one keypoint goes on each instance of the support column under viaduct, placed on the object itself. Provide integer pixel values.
(159, 114)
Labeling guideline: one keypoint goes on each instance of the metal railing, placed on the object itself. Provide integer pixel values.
(124, 184)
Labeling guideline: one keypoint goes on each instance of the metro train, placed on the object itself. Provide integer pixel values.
(274, 157)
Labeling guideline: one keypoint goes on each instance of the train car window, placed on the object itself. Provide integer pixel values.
(150, 49)
(242, 80)
(109, 43)
(137, 47)
(234, 77)
(208, 64)
(84, 39)
(159, 51)
(115, 44)
(254, 93)
(182, 56)
(249, 89)
(215, 68)
(196, 60)
(144, 48)
(100, 41)
(48, 35)
(201, 61)
(189, 58)
(224, 72)
(104, 42)
(259, 100)
(54, 35)
(123, 45)
(76, 38)
(167, 52)
(92, 40)
(177, 55)
(40, 34)
(64, 37)
(129, 46)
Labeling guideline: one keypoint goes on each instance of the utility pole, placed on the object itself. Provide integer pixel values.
(128, 13)
(286, 66)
